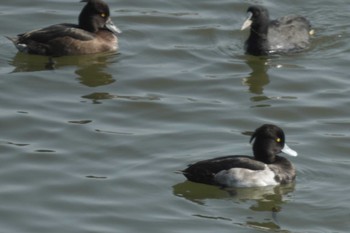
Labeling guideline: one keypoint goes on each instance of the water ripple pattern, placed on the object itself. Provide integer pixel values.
(94, 143)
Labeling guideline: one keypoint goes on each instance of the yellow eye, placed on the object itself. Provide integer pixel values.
(103, 15)
(278, 140)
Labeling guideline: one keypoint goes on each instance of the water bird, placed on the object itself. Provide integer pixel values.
(94, 33)
(287, 34)
(266, 168)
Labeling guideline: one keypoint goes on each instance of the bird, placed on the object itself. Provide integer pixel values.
(266, 168)
(94, 33)
(287, 34)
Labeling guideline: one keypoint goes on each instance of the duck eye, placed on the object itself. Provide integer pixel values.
(278, 139)
(103, 15)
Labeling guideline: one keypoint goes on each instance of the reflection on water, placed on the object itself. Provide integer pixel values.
(93, 74)
(258, 78)
(30, 63)
(97, 96)
(91, 69)
(198, 193)
(266, 199)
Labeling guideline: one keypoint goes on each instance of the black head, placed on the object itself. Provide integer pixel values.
(258, 19)
(95, 16)
(269, 140)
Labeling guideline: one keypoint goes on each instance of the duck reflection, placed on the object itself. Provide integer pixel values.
(97, 97)
(267, 199)
(91, 69)
(258, 78)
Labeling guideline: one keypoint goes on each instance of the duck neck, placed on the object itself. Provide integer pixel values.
(85, 19)
(257, 43)
(264, 152)
(259, 32)
(265, 157)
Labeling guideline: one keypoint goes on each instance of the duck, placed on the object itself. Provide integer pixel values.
(265, 168)
(94, 33)
(288, 34)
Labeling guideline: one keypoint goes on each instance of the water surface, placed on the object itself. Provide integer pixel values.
(93, 143)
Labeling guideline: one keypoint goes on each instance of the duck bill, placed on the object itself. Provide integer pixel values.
(248, 22)
(287, 150)
(111, 26)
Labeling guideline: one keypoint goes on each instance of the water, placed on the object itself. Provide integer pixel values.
(93, 144)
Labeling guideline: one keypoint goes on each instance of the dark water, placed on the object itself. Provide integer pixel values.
(93, 144)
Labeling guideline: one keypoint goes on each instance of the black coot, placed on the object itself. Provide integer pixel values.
(289, 33)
